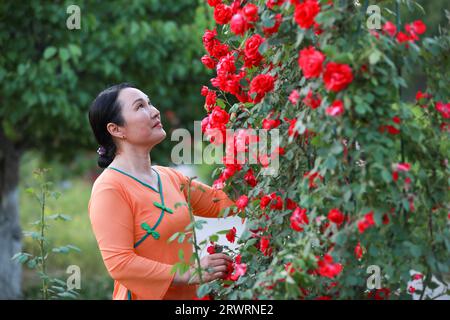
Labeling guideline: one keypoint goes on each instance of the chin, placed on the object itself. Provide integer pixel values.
(161, 136)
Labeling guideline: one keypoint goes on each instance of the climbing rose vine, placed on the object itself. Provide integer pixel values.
(363, 176)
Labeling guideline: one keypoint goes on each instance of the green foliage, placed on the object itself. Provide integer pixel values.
(52, 287)
(50, 74)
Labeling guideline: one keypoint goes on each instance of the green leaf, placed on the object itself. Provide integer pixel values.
(181, 237)
(21, 257)
(179, 204)
(173, 237)
(49, 52)
(374, 57)
(60, 216)
(203, 290)
(181, 254)
(330, 163)
(214, 238)
(64, 54)
(387, 177)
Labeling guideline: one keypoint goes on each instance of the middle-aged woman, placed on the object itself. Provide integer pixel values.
(133, 208)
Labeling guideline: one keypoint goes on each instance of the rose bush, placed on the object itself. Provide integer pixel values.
(363, 176)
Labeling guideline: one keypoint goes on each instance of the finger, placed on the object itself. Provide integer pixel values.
(216, 256)
(217, 275)
(220, 269)
(219, 262)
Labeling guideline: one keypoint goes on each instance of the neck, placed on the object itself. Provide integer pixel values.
(134, 160)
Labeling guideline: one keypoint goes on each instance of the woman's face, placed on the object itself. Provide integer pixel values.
(143, 125)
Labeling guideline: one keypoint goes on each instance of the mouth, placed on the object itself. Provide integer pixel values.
(158, 124)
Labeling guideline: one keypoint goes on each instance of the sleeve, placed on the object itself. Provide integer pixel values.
(113, 225)
(206, 201)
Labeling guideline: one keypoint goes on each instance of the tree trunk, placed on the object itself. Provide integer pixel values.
(10, 231)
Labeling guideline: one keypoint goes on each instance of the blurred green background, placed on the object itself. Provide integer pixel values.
(49, 76)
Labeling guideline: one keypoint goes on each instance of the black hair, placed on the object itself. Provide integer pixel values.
(103, 110)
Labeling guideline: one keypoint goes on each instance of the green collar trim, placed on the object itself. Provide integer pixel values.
(136, 179)
(145, 226)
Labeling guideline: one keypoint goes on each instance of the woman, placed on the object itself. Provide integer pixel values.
(133, 208)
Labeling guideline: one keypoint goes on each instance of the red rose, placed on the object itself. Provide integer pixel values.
(268, 124)
(416, 28)
(204, 91)
(239, 269)
(226, 65)
(209, 62)
(298, 219)
(211, 98)
(358, 251)
(336, 109)
(291, 204)
(337, 76)
(250, 11)
(294, 96)
(264, 246)
(305, 13)
(291, 130)
(403, 167)
(208, 37)
(265, 200)
(419, 27)
(218, 49)
(395, 176)
(250, 178)
(327, 268)
(231, 235)
(366, 222)
(242, 202)
(222, 13)
(403, 37)
(211, 249)
(390, 28)
(311, 101)
(418, 276)
(261, 85)
(252, 57)
(443, 109)
(336, 216)
(420, 95)
(276, 202)
(218, 116)
(238, 24)
(310, 61)
(214, 3)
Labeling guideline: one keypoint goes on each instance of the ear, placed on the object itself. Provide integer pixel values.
(114, 130)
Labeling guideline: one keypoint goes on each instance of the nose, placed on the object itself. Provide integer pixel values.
(156, 113)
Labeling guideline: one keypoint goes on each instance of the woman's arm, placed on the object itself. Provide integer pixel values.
(206, 201)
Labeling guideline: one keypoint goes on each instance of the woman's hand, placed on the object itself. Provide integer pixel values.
(214, 266)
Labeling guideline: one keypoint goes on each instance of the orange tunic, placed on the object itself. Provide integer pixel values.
(139, 260)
